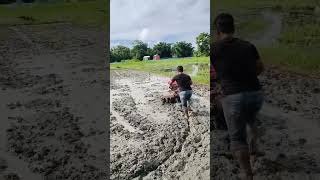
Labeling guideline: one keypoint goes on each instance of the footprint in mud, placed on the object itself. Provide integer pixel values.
(273, 133)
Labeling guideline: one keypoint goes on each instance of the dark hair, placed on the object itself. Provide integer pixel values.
(224, 23)
(180, 69)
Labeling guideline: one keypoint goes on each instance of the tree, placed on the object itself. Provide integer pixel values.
(150, 52)
(139, 49)
(119, 53)
(163, 49)
(182, 49)
(203, 44)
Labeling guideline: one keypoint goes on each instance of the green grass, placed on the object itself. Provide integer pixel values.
(282, 4)
(167, 67)
(293, 58)
(89, 13)
(251, 27)
(307, 35)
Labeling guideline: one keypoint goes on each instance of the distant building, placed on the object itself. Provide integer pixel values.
(156, 57)
(145, 58)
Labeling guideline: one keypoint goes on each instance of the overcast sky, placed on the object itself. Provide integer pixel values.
(159, 20)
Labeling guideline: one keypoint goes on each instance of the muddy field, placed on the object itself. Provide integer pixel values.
(153, 141)
(53, 102)
(288, 131)
(289, 120)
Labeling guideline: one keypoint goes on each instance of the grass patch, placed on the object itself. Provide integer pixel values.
(250, 26)
(296, 47)
(308, 35)
(293, 58)
(167, 67)
(87, 13)
(301, 27)
(278, 4)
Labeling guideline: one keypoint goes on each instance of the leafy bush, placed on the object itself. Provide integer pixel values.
(119, 53)
(163, 49)
(182, 49)
(203, 44)
(139, 49)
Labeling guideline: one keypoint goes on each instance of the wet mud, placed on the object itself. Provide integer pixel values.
(154, 141)
(288, 131)
(53, 93)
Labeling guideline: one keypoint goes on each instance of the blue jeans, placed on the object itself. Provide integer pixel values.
(185, 96)
(240, 110)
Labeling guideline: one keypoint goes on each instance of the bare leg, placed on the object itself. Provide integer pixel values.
(189, 105)
(186, 111)
(253, 135)
(244, 161)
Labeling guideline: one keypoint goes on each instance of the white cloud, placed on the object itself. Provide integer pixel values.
(159, 20)
(143, 35)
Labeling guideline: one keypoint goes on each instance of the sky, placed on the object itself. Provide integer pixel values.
(155, 21)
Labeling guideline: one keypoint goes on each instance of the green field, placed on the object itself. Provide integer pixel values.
(296, 47)
(89, 13)
(283, 4)
(167, 67)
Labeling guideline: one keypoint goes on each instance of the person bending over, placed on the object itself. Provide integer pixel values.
(185, 91)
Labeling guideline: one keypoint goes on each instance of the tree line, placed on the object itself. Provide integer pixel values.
(165, 50)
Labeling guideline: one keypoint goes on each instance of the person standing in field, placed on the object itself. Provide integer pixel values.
(185, 91)
(237, 64)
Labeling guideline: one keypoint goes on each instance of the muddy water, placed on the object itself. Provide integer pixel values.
(155, 142)
(195, 70)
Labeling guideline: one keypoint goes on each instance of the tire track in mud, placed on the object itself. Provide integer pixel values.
(164, 133)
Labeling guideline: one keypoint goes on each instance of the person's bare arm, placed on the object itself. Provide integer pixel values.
(259, 63)
(172, 80)
(213, 74)
(259, 66)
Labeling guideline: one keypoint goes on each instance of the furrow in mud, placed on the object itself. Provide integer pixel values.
(55, 102)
